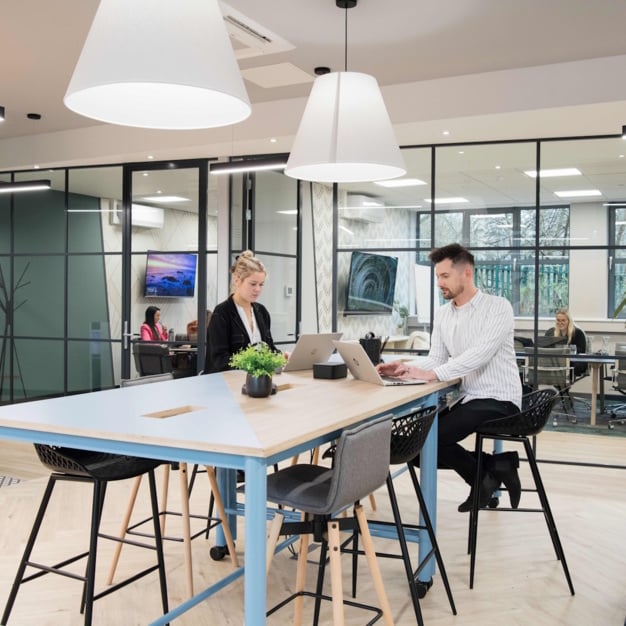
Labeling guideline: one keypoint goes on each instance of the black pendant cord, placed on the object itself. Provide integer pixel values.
(346, 39)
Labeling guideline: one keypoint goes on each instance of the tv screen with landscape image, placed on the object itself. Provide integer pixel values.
(170, 275)
(371, 284)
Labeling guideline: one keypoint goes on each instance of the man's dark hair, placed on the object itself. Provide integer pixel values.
(455, 252)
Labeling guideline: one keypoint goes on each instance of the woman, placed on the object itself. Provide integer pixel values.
(240, 320)
(152, 329)
(564, 327)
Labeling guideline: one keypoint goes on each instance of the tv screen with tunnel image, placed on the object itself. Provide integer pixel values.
(371, 284)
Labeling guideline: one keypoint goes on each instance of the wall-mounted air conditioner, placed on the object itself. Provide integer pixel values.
(143, 216)
(362, 208)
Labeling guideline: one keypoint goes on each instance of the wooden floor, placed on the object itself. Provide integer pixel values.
(518, 579)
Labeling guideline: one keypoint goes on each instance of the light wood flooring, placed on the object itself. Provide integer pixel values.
(518, 579)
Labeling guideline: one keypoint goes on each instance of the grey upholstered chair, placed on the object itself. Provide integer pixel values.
(361, 465)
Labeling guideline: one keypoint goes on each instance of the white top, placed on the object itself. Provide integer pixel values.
(474, 342)
(254, 332)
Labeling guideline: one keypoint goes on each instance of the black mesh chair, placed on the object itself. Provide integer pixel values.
(519, 428)
(361, 465)
(408, 435)
(97, 468)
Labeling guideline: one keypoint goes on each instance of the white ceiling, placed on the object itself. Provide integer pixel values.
(480, 69)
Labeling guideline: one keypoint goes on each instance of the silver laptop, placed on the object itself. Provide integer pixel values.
(362, 368)
(310, 349)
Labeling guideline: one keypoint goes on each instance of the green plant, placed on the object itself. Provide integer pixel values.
(257, 360)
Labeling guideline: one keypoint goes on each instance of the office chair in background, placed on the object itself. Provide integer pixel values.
(619, 384)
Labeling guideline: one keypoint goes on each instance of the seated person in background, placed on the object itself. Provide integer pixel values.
(564, 327)
(152, 329)
(192, 327)
(240, 320)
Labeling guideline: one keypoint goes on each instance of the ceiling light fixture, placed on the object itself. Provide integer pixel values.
(401, 182)
(578, 193)
(1, 114)
(159, 64)
(554, 173)
(623, 132)
(345, 134)
(249, 165)
(24, 185)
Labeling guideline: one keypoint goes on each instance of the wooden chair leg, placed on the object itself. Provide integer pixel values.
(303, 554)
(219, 505)
(186, 527)
(372, 501)
(123, 528)
(334, 548)
(272, 539)
(370, 554)
(164, 493)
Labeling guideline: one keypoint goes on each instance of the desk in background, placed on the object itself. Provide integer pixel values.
(212, 423)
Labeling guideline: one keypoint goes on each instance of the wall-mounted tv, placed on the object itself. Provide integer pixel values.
(170, 274)
(371, 284)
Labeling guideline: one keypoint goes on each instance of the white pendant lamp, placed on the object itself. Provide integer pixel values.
(165, 64)
(345, 134)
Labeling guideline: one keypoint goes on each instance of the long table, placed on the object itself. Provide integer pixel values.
(207, 420)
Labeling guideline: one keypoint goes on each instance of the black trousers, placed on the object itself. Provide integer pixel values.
(459, 421)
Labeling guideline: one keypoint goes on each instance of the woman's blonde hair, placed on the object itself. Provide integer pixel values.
(569, 332)
(245, 265)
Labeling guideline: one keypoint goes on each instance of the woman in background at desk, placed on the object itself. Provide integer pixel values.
(564, 327)
(152, 329)
(240, 320)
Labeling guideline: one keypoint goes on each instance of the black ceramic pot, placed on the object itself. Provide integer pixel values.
(258, 386)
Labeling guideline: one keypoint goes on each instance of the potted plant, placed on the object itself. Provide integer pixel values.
(403, 314)
(260, 363)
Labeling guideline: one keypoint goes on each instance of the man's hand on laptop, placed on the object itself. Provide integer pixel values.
(403, 370)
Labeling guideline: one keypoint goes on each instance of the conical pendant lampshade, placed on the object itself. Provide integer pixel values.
(159, 64)
(345, 134)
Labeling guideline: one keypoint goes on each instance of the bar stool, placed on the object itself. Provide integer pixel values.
(361, 466)
(408, 435)
(209, 521)
(97, 468)
(518, 428)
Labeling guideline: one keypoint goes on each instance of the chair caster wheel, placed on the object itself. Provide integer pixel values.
(611, 426)
(217, 553)
(422, 587)
(493, 503)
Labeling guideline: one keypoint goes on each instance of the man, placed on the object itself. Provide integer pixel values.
(472, 339)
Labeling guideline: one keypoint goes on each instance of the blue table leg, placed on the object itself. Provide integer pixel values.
(255, 529)
(227, 483)
(428, 483)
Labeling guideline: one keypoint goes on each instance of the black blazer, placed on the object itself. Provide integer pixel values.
(226, 334)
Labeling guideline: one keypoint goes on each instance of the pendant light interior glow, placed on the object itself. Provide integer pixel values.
(159, 64)
(345, 134)
(25, 185)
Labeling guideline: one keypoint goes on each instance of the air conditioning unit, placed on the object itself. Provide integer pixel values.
(362, 208)
(143, 216)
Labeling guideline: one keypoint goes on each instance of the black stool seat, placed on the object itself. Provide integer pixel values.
(518, 428)
(97, 468)
(97, 465)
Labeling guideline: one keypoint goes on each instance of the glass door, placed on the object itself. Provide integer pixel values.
(165, 211)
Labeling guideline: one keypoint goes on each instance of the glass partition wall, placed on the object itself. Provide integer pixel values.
(545, 219)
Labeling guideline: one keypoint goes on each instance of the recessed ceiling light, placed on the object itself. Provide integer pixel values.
(446, 132)
(273, 140)
(451, 200)
(563, 171)
(288, 212)
(400, 182)
(162, 198)
(578, 193)
(150, 156)
(461, 151)
(498, 167)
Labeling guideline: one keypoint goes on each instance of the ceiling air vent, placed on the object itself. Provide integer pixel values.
(250, 39)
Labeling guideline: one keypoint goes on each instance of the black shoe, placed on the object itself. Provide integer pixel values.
(488, 485)
(504, 468)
